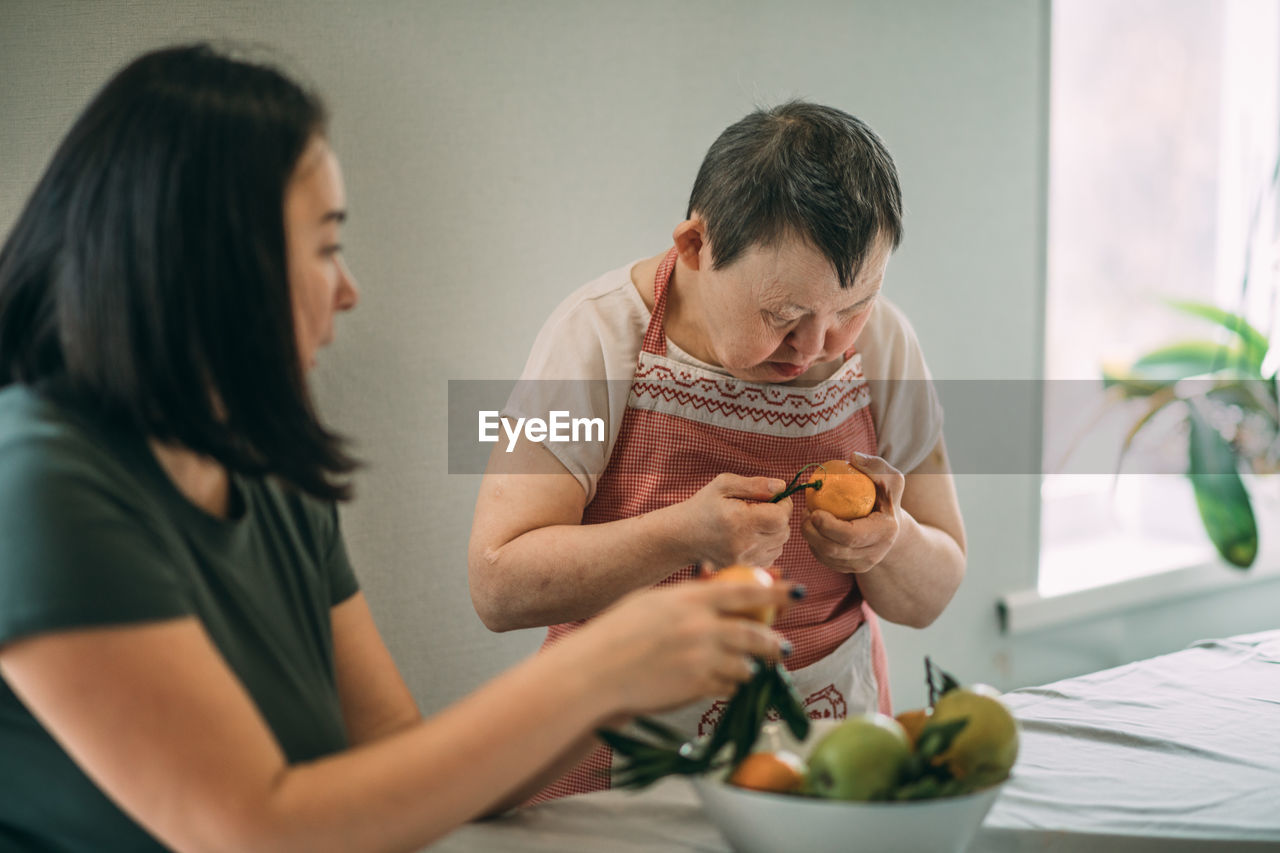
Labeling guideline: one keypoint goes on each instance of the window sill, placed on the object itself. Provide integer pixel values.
(1026, 611)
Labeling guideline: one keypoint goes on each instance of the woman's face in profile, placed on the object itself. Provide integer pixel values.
(319, 283)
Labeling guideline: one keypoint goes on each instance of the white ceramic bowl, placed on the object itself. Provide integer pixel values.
(755, 822)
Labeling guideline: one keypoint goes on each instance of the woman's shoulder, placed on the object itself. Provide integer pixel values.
(39, 431)
(594, 333)
(610, 299)
(889, 346)
(55, 459)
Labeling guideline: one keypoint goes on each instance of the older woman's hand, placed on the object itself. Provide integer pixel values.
(858, 546)
(730, 520)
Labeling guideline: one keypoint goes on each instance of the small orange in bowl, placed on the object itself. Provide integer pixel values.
(750, 574)
(775, 772)
(913, 722)
(846, 492)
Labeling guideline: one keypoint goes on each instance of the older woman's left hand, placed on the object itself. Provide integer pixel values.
(859, 545)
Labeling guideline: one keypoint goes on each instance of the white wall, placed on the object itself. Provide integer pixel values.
(498, 154)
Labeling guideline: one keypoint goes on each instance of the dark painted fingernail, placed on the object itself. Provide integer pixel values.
(786, 648)
(798, 591)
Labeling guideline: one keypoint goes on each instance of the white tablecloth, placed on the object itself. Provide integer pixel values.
(1177, 753)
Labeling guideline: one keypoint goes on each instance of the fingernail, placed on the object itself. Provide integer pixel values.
(753, 665)
(786, 648)
(798, 592)
(776, 485)
(860, 455)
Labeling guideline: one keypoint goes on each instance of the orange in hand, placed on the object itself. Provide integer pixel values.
(750, 574)
(777, 772)
(846, 492)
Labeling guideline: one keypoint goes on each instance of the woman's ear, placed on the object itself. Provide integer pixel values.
(690, 237)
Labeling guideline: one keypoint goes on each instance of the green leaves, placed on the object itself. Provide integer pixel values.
(1253, 343)
(1233, 381)
(645, 762)
(1220, 494)
(1163, 367)
(937, 681)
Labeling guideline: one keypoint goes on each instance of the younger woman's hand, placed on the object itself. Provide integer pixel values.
(660, 649)
(858, 546)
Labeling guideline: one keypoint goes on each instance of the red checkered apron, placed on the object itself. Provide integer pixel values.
(684, 425)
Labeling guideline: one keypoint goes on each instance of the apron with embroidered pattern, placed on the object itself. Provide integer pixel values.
(684, 425)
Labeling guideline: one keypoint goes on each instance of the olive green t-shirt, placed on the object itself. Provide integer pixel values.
(94, 533)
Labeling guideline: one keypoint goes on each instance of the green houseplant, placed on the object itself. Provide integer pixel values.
(1225, 392)
(1230, 406)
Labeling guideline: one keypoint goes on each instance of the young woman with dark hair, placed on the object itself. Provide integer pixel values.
(186, 660)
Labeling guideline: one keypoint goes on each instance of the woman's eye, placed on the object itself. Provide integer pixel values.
(331, 250)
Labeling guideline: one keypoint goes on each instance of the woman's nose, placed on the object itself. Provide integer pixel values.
(806, 339)
(348, 293)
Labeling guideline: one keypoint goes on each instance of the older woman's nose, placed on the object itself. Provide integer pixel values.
(807, 339)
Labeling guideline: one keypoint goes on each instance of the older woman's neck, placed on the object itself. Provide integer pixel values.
(202, 480)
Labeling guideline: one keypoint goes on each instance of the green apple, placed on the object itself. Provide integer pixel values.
(986, 748)
(861, 759)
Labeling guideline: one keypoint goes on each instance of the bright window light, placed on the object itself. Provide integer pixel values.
(1163, 126)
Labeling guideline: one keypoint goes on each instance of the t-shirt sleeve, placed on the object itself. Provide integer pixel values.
(904, 401)
(342, 577)
(581, 365)
(75, 549)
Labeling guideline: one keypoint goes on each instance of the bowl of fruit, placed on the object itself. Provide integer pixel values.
(918, 783)
(774, 781)
(865, 783)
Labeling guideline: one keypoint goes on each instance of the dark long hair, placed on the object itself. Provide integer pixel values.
(147, 271)
(799, 169)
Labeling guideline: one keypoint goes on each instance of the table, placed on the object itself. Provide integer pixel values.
(1176, 753)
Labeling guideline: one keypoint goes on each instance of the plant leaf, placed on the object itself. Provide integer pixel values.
(1192, 358)
(1156, 403)
(1254, 342)
(935, 738)
(1129, 386)
(1220, 494)
(788, 704)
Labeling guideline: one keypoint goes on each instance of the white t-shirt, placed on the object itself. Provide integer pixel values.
(591, 342)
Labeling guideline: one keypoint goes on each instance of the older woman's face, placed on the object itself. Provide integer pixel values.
(776, 312)
(319, 283)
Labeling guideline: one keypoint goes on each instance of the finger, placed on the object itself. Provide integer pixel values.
(736, 597)
(752, 640)
(778, 513)
(872, 465)
(827, 528)
(723, 688)
(752, 488)
(739, 598)
(737, 668)
(889, 480)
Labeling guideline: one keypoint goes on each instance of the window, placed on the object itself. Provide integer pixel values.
(1163, 134)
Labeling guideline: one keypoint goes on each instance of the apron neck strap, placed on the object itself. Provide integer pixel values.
(655, 337)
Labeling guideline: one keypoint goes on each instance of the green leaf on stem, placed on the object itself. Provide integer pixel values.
(1220, 494)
